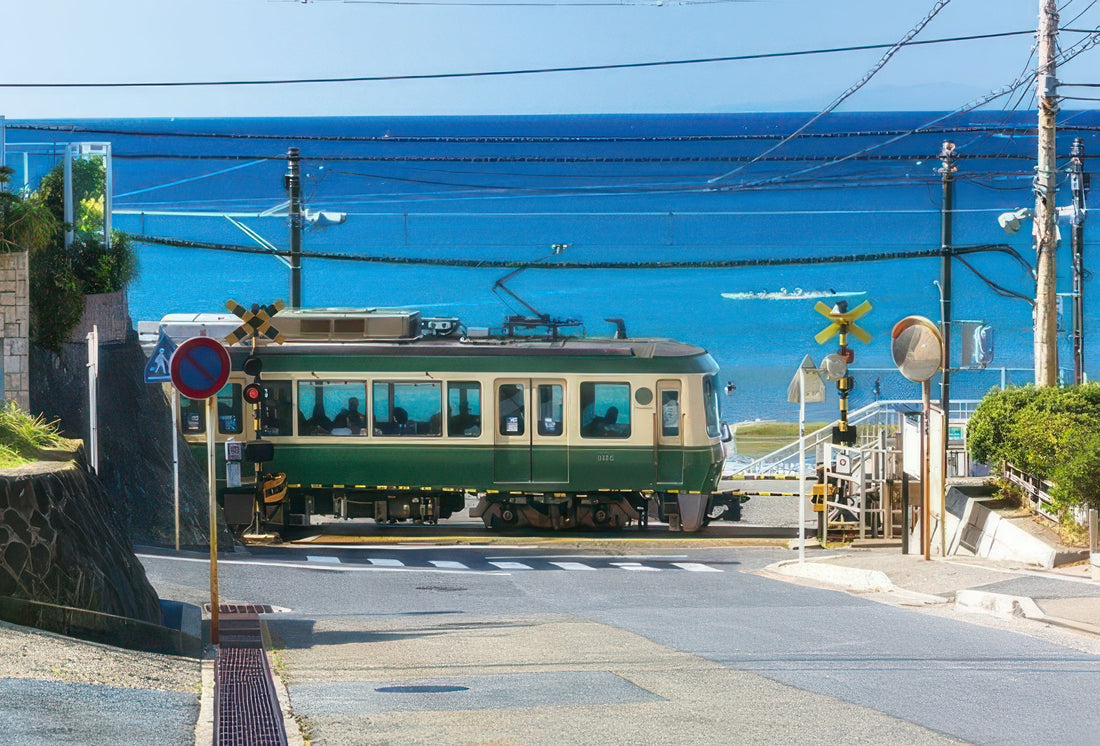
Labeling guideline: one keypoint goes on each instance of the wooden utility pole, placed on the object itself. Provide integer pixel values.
(1046, 243)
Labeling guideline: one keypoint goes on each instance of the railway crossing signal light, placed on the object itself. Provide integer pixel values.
(842, 323)
(254, 392)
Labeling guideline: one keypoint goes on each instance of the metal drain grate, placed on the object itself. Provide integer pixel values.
(240, 608)
(246, 709)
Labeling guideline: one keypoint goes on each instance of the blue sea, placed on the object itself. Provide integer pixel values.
(612, 188)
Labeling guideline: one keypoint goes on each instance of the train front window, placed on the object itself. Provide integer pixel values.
(407, 408)
(710, 406)
(192, 416)
(551, 406)
(332, 408)
(464, 409)
(276, 411)
(605, 410)
(230, 421)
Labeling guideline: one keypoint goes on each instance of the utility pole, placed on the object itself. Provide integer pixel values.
(1079, 187)
(294, 192)
(1046, 244)
(947, 172)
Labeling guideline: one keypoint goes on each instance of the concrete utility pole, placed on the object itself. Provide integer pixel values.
(294, 193)
(947, 172)
(1079, 187)
(1046, 244)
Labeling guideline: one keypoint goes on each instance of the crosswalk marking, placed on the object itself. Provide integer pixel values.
(323, 559)
(695, 567)
(635, 566)
(572, 566)
(510, 565)
(386, 562)
(449, 564)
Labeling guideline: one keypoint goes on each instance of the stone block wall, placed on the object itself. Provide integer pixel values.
(110, 312)
(62, 542)
(15, 324)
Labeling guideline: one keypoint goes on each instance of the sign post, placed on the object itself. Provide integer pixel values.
(156, 371)
(917, 349)
(199, 369)
(810, 387)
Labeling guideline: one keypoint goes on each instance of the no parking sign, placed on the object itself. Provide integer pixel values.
(200, 367)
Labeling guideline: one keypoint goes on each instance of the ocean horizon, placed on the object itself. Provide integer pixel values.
(835, 214)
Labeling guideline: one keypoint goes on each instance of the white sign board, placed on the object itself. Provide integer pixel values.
(910, 445)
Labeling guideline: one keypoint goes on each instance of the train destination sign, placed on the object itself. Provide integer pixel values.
(200, 367)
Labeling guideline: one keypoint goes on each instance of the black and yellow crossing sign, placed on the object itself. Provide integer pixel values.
(842, 321)
(256, 322)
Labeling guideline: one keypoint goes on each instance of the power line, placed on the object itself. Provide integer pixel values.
(499, 73)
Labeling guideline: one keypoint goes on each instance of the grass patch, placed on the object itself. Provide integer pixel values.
(22, 435)
(755, 439)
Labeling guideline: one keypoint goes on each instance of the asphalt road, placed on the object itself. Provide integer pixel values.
(529, 645)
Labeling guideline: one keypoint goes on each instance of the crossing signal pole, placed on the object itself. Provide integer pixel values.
(843, 324)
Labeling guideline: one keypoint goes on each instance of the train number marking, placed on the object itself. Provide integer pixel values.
(605, 457)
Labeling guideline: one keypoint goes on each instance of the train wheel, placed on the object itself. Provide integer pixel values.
(600, 515)
(508, 516)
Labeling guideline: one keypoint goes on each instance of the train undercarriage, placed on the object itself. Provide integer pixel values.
(608, 511)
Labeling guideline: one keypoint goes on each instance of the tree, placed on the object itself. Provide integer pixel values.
(61, 276)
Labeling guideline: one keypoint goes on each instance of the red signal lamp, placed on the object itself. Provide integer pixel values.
(253, 393)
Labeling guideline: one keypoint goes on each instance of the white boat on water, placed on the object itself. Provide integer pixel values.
(796, 294)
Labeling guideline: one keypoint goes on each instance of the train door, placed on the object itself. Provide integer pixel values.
(670, 435)
(530, 432)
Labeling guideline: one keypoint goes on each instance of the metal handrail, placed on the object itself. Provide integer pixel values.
(773, 462)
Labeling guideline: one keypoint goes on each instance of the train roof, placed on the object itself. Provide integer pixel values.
(334, 337)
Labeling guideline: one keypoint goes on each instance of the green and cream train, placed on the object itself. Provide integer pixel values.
(387, 415)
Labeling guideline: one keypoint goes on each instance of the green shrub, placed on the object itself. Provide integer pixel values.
(1052, 433)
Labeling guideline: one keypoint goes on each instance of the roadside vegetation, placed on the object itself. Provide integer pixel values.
(60, 276)
(23, 435)
(1051, 432)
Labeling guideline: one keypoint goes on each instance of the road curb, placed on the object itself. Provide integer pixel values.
(1016, 607)
(854, 579)
(204, 725)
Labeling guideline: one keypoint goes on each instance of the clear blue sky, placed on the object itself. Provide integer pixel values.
(55, 41)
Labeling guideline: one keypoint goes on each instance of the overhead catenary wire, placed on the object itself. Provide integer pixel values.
(498, 73)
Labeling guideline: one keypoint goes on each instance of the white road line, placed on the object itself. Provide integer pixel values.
(635, 566)
(386, 562)
(316, 567)
(449, 564)
(323, 559)
(695, 567)
(511, 565)
(572, 566)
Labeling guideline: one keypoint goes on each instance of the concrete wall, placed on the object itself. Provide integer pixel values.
(110, 312)
(15, 316)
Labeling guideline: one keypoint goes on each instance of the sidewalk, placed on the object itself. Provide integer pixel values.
(1064, 597)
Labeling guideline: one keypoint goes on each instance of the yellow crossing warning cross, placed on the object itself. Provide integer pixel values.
(842, 319)
(257, 321)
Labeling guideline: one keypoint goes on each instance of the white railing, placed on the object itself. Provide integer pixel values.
(1036, 489)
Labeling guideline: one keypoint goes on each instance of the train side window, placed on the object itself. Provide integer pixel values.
(276, 411)
(407, 408)
(605, 410)
(343, 400)
(670, 413)
(192, 416)
(230, 421)
(463, 409)
(551, 409)
(510, 408)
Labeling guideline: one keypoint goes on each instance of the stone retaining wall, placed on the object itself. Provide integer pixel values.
(61, 542)
(110, 312)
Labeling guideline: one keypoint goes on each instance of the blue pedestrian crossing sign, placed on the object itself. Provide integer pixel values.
(157, 369)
